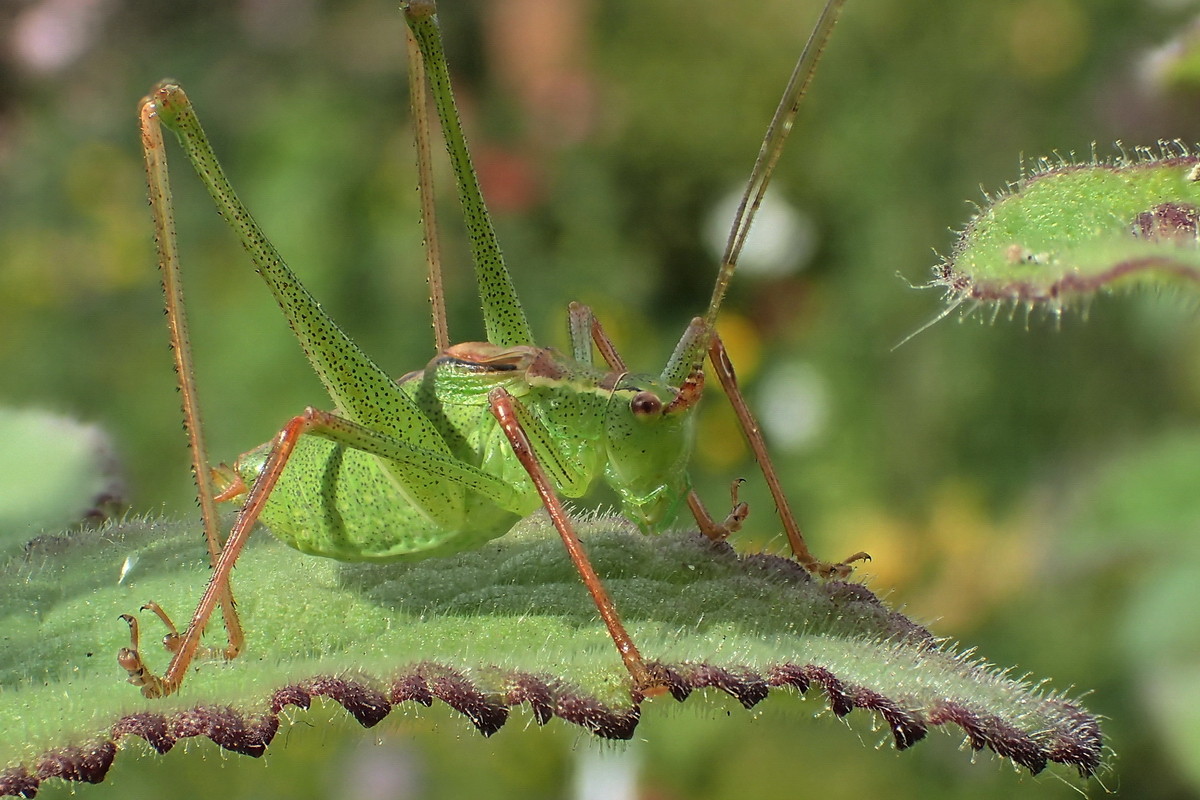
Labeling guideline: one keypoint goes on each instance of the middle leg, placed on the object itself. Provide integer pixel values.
(645, 682)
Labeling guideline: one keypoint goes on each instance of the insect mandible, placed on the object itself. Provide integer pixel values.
(449, 457)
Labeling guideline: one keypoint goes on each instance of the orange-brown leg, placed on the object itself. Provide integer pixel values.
(720, 531)
(723, 368)
(168, 260)
(586, 330)
(645, 683)
(172, 640)
(184, 648)
(433, 260)
(313, 421)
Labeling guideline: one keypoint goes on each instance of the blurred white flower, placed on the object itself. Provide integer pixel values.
(793, 405)
(781, 241)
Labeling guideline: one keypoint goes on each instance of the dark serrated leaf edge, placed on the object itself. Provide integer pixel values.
(960, 286)
(1080, 746)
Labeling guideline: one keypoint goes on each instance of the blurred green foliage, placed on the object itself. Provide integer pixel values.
(952, 459)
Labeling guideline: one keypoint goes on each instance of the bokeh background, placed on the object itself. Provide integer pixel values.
(1026, 485)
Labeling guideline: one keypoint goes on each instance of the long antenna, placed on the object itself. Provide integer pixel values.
(771, 149)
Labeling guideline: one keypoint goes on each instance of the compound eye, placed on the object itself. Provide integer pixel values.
(645, 403)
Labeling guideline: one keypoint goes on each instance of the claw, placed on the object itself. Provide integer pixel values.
(732, 523)
(172, 640)
(738, 511)
(842, 569)
(658, 684)
(130, 659)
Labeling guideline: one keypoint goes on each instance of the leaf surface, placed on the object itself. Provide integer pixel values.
(505, 626)
(1068, 231)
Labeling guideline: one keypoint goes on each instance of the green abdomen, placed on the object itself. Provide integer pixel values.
(337, 502)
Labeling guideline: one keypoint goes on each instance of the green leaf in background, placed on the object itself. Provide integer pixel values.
(55, 472)
(485, 632)
(1069, 230)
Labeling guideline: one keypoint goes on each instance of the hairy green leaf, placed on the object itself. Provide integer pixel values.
(508, 625)
(1070, 230)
